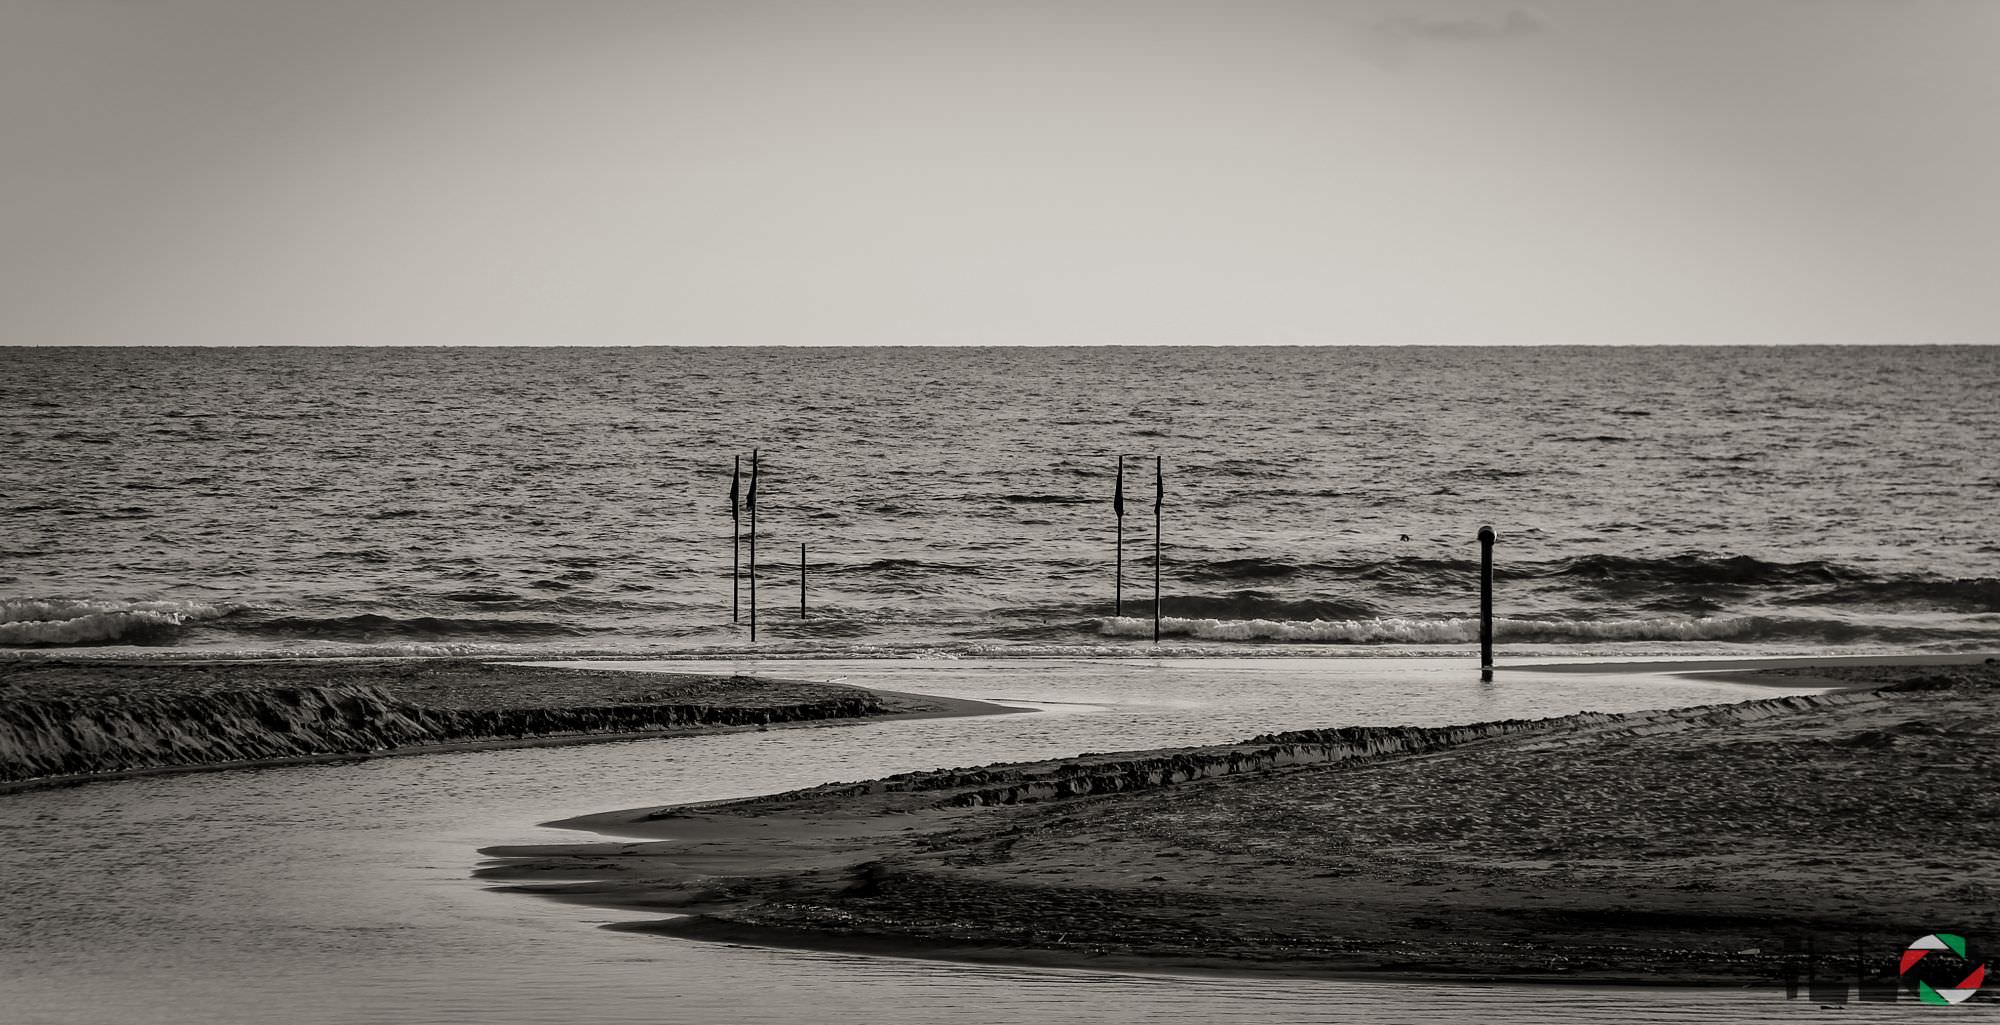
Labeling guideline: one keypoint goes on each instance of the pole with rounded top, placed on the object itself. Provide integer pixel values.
(1486, 603)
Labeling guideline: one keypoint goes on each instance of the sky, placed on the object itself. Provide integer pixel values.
(853, 172)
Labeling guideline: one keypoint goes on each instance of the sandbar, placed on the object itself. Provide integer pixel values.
(1684, 846)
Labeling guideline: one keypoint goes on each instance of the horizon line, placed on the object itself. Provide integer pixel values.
(998, 345)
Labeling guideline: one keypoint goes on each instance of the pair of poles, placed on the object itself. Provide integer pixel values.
(1486, 539)
(1118, 507)
(739, 500)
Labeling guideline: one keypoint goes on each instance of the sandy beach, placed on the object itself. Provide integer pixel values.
(1654, 847)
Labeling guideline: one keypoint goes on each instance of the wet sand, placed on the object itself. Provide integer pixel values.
(1649, 848)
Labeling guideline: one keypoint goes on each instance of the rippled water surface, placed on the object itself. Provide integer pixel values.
(1795, 499)
(341, 893)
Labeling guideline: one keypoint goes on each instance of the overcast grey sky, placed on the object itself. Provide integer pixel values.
(954, 172)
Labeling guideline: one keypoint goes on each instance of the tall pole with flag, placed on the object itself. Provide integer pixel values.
(1118, 509)
(736, 541)
(1159, 499)
(751, 501)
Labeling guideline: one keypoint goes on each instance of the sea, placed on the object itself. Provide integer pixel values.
(962, 502)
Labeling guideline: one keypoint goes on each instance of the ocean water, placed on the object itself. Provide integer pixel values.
(1739, 500)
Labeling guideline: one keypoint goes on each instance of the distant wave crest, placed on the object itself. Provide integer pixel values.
(374, 627)
(1264, 606)
(1963, 594)
(1687, 582)
(40, 621)
(1439, 631)
(1696, 569)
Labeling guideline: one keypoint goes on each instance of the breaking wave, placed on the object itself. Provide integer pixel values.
(49, 621)
(1466, 631)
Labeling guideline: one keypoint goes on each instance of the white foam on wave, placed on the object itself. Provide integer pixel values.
(1433, 631)
(67, 621)
(394, 649)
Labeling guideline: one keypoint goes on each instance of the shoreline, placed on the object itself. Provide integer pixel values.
(1104, 863)
(331, 670)
(1647, 661)
(152, 719)
(1841, 672)
(962, 708)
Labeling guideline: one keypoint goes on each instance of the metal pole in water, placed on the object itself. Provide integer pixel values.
(752, 503)
(1118, 509)
(1486, 604)
(802, 580)
(1159, 499)
(736, 542)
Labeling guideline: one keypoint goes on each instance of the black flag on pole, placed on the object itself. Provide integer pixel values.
(736, 491)
(750, 498)
(1118, 507)
(1159, 485)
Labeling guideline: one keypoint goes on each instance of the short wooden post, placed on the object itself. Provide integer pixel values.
(1486, 603)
